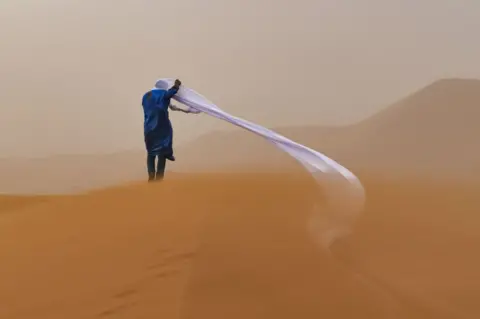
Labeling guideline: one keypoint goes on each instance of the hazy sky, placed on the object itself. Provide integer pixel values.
(73, 71)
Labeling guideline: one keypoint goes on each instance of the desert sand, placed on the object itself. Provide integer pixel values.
(237, 244)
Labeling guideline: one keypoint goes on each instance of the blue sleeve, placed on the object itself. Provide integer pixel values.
(171, 92)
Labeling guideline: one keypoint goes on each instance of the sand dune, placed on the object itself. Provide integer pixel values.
(433, 130)
(14, 203)
(236, 246)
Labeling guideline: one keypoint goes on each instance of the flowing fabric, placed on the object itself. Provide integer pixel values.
(345, 193)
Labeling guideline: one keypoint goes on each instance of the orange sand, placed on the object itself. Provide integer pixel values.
(236, 246)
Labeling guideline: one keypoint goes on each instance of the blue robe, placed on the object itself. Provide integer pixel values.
(158, 130)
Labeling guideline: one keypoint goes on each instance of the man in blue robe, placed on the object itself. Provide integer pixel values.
(158, 130)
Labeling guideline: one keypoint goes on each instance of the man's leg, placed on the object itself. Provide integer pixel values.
(151, 167)
(161, 167)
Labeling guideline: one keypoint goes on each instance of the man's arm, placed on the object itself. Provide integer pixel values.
(190, 110)
(173, 90)
(176, 108)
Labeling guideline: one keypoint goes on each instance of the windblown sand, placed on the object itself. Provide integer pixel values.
(236, 246)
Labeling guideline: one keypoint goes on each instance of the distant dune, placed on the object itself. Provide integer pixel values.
(236, 246)
(433, 132)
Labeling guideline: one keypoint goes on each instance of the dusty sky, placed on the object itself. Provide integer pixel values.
(73, 71)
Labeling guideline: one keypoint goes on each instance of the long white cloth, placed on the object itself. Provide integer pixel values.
(344, 191)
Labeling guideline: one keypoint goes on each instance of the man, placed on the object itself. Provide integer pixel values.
(158, 129)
